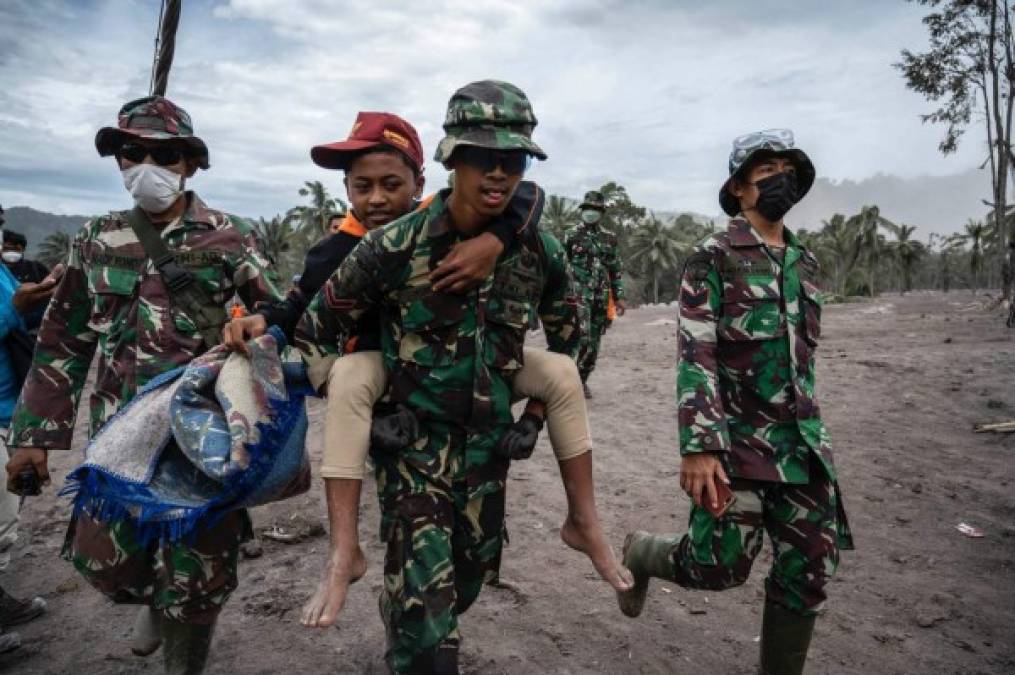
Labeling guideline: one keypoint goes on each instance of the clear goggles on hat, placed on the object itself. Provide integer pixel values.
(769, 139)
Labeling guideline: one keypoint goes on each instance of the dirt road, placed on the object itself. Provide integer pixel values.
(901, 380)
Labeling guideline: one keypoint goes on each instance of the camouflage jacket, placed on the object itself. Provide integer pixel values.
(749, 326)
(450, 357)
(594, 259)
(112, 298)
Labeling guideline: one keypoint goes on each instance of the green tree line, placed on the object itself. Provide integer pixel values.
(863, 254)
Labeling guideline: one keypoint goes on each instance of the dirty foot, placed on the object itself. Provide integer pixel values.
(591, 540)
(341, 570)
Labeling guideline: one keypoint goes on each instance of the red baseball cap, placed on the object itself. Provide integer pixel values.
(370, 130)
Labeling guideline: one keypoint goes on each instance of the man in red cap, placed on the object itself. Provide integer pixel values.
(383, 163)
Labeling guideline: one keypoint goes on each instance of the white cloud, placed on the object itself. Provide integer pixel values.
(645, 93)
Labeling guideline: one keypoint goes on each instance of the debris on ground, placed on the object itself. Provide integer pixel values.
(970, 530)
(996, 428)
(294, 531)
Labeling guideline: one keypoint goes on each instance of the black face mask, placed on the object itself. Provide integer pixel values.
(777, 195)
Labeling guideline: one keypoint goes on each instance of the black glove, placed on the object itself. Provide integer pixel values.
(394, 432)
(520, 439)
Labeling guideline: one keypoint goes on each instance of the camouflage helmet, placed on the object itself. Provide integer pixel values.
(151, 117)
(768, 143)
(489, 114)
(593, 200)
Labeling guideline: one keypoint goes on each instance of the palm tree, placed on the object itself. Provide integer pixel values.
(907, 252)
(276, 236)
(950, 245)
(868, 242)
(559, 215)
(976, 234)
(658, 249)
(833, 245)
(54, 249)
(315, 218)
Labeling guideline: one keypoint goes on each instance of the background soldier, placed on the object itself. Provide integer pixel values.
(596, 265)
(114, 299)
(750, 320)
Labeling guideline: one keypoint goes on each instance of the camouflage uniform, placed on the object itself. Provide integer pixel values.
(111, 298)
(592, 252)
(749, 326)
(450, 360)
(750, 321)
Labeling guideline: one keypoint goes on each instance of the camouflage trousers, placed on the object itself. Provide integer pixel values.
(807, 528)
(188, 581)
(443, 545)
(592, 337)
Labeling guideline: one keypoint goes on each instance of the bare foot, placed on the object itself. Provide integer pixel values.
(341, 570)
(590, 539)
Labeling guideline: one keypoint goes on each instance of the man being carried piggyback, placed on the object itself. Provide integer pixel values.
(450, 360)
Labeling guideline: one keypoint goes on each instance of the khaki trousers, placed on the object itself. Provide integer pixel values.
(357, 380)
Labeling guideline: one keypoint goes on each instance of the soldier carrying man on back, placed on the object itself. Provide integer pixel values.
(451, 360)
(592, 252)
(147, 288)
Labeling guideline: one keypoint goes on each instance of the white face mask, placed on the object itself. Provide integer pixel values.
(591, 216)
(11, 257)
(153, 187)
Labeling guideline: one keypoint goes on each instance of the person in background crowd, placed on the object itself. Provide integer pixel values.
(17, 300)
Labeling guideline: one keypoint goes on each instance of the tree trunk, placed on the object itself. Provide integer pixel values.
(872, 272)
(1002, 132)
(655, 286)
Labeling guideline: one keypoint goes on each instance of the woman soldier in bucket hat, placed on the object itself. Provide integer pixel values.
(451, 360)
(748, 417)
(115, 300)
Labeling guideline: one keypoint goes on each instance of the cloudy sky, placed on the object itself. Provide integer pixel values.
(648, 93)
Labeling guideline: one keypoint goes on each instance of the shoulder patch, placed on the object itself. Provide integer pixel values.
(698, 265)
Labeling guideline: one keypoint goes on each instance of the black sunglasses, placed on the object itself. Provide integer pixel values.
(164, 155)
(512, 162)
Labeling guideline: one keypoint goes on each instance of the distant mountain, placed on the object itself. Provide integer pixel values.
(37, 225)
(939, 204)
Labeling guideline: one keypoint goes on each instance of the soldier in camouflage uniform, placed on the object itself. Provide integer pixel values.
(450, 359)
(113, 299)
(750, 321)
(592, 252)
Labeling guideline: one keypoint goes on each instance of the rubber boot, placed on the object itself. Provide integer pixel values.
(14, 612)
(647, 556)
(445, 660)
(185, 646)
(9, 641)
(785, 639)
(147, 634)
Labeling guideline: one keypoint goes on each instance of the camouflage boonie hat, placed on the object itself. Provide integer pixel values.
(151, 117)
(489, 114)
(593, 200)
(771, 142)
